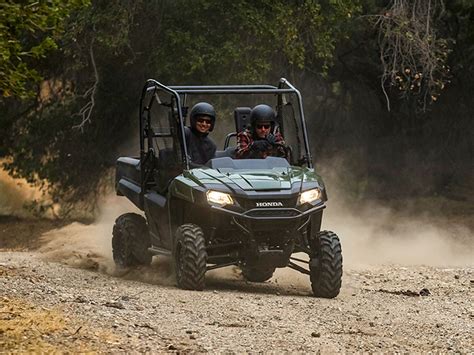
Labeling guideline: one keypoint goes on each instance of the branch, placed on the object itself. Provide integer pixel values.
(86, 111)
(428, 19)
(413, 57)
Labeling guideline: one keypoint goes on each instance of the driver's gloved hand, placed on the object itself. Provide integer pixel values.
(260, 145)
(271, 139)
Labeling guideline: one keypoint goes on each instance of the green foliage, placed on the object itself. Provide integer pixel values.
(248, 39)
(28, 32)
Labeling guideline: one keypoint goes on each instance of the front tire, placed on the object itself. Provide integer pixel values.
(190, 257)
(326, 268)
(257, 274)
(130, 241)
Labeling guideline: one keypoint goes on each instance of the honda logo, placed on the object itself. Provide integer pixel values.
(269, 204)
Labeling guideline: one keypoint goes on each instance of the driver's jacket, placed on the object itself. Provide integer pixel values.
(244, 147)
(200, 147)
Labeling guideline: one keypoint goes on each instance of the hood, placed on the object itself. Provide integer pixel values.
(256, 180)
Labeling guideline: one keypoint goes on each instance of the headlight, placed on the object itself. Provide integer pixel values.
(219, 198)
(309, 196)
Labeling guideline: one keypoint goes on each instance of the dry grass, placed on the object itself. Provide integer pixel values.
(28, 328)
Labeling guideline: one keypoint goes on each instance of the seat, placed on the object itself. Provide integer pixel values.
(242, 121)
(242, 118)
(166, 169)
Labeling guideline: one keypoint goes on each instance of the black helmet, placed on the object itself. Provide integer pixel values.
(202, 109)
(262, 113)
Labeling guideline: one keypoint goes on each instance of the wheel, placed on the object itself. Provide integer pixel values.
(190, 257)
(130, 241)
(326, 268)
(257, 274)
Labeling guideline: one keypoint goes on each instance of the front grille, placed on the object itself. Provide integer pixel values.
(273, 213)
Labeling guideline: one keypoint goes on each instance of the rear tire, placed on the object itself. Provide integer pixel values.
(190, 257)
(326, 269)
(257, 274)
(130, 241)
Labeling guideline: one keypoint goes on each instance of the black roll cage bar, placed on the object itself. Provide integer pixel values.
(284, 87)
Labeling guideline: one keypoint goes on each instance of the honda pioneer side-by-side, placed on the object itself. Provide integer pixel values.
(256, 214)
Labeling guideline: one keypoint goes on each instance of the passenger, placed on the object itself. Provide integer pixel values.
(200, 147)
(260, 140)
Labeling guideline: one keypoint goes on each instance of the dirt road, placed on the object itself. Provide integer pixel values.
(408, 286)
(51, 306)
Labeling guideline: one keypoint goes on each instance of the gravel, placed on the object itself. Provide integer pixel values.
(381, 308)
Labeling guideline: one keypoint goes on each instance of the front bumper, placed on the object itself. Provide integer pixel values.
(270, 220)
(271, 214)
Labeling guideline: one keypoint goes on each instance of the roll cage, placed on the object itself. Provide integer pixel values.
(178, 97)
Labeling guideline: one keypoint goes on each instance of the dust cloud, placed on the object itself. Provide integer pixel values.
(373, 234)
(90, 246)
(14, 194)
(85, 245)
(425, 230)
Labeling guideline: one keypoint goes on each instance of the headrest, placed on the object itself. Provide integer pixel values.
(242, 118)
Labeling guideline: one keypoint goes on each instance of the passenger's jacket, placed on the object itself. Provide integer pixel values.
(200, 147)
(245, 148)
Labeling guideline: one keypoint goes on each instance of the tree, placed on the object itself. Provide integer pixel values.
(108, 49)
(28, 32)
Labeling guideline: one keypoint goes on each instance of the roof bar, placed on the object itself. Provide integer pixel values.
(235, 91)
(207, 87)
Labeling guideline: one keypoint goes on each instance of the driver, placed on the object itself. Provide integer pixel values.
(200, 147)
(260, 140)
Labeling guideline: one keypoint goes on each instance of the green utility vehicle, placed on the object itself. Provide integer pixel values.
(255, 214)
